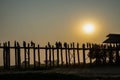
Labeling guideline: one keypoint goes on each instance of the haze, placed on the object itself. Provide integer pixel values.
(57, 20)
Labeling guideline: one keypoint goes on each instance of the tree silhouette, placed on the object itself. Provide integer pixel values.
(102, 54)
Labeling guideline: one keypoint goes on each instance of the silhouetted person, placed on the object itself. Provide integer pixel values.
(60, 45)
(49, 44)
(24, 44)
(65, 45)
(32, 43)
(56, 44)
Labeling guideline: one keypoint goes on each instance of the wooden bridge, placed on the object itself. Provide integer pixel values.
(30, 55)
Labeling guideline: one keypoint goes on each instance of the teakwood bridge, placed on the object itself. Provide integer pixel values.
(60, 54)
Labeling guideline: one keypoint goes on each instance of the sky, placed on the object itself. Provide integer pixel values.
(58, 20)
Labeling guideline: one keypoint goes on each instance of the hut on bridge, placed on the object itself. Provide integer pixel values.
(112, 39)
(114, 53)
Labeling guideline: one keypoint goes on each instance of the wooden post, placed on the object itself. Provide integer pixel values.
(65, 45)
(4, 55)
(53, 56)
(57, 47)
(18, 56)
(78, 54)
(89, 46)
(61, 55)
(117, 55)
(105, 55)
(24, 45)
(46, 60)
(34, 55)
(6, 62)
(50, 55)
(38, 55)
(110, 54)
(96, 53)
(73, 52)
(84, 61)
(8, 55)
(57, 56)
(69, 59)
(28, 55)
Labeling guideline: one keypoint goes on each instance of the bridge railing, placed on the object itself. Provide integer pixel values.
(60, 54)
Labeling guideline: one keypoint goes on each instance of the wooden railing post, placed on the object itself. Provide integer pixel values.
(46, 60)
(18, 56)
(73, 52)
(69, 59)
(53, 56)
(117, 55)
(49, 46)
(84, 61)
(39, 56)
(34, 55)
(105, 55)
(8, 55)
(25, 61)
(66, 54)
(28, 55)
(15, 45)
(78, 54)
(110, 54)
(4, 55)
(89, 46)
(61, 50)
(57, 47)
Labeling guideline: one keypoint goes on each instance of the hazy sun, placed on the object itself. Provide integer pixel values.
(88, 28)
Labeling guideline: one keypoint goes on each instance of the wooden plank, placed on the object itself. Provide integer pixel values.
(42, 48)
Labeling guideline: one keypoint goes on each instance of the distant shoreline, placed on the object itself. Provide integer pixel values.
(92, 73)
(56, 76)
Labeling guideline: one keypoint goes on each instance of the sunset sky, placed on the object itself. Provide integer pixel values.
(58, 20)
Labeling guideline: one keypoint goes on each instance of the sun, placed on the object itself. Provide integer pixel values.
(88, 28)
